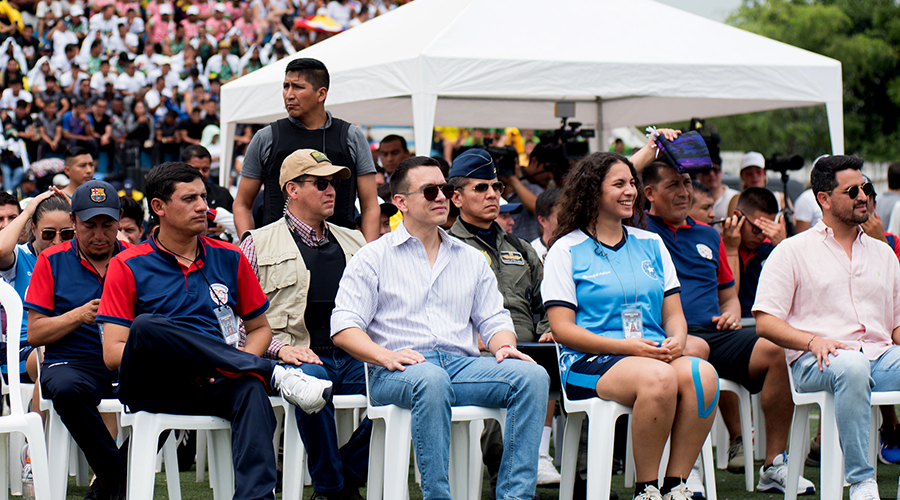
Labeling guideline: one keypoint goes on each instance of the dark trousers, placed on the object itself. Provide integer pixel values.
(333, 468)
(76, 390)
(166, 369)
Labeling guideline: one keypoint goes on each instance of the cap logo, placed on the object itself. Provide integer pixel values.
(319, 157)
(98, 195)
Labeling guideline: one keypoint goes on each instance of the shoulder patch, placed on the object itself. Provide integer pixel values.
(487, 256)
(513, 258)
(704, 251)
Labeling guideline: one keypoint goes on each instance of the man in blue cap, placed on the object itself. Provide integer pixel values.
(62, 300)
(518, 269)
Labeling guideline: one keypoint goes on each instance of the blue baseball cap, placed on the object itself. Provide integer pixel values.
(474, 164)
(95, 198)
(510, 208)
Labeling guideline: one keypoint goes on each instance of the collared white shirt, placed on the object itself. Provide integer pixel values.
(810, 283)
(390, 291)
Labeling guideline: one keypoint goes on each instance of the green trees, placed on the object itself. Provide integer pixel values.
(865, 36)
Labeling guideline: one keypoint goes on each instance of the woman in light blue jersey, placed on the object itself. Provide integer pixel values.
(51, 224)
(612, 297)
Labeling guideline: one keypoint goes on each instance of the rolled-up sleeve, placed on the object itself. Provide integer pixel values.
(488, 314)
(357, 296)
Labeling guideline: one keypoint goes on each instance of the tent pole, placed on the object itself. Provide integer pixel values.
(835, 111)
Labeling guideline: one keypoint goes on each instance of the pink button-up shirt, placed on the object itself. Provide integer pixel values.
(810, 283)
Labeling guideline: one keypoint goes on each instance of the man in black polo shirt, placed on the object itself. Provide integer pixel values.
(301, 244)
(308, 126)
(191, 128)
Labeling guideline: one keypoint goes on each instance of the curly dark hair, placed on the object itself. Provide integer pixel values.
(579, 202)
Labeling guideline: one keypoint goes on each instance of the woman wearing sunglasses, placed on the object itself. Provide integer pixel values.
(51, 224)
(612, 298)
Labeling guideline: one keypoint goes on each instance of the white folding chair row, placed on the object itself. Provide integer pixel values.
(389, 465)
(20, 420)
(831, 485)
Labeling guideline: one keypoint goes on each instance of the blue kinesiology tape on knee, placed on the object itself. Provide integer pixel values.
(703, 411)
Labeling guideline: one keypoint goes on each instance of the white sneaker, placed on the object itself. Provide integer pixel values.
(304, 391)
(695, 481)
(866, 489)
(774, 478)
(649, 493)
(680, 492)
(547, 473)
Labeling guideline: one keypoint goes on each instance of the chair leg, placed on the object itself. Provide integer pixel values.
(141, 478)
(39, 465)
(873, 438)
(7, 459)
(201, 456)
(629, 455)
(15, 440)
(571, 437)
(170, 457)
(58, 441)
(459, 459)
(294, 454)
(798, 424)
(721, 434)
(398, 433)
(709, 471)
(832, 466)
(375, 485)
(220, 448)
(601, 440)
(475, 476)
(747, 430)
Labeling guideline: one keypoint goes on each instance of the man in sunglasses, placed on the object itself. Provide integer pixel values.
(518, 270)
(713, 314)
(302, 245)
(413, 304)
(831, 297)
(62, 300)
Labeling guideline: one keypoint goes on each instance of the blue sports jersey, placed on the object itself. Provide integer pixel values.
(19, 276)
(149, 280)
(751, 267)
(63, 281)
(702, 265)
(577, 275)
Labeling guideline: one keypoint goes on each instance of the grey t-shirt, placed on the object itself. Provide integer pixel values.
(260, 148)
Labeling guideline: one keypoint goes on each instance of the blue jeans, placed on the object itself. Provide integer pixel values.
(429, 390)
(852, 378)
(328, 464)
(12, 176)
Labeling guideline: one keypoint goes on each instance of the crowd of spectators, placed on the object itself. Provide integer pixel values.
(136, 82)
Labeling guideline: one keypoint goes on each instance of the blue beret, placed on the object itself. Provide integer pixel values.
(475, 164)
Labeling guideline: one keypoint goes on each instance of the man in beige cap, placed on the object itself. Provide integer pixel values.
(298, 249)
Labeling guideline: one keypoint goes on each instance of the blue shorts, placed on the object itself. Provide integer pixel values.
(24, 351)
(581, 381)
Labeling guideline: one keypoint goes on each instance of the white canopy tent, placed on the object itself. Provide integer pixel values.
(495, 63)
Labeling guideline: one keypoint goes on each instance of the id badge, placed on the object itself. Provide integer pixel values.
(228, 325)
(633, 323)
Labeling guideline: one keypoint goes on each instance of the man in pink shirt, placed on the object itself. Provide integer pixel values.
(831, 297)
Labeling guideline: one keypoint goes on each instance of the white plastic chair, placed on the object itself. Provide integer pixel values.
(28, 423)
(832, 462)
(389, 465)
(16, 439)
(602, 415)
(746, 432)
(146, 429)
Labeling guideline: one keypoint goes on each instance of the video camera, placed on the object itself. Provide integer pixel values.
(783, 163)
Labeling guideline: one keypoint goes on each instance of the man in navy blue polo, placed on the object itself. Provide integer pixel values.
(713, 312)
(169, 313)
(62, 299)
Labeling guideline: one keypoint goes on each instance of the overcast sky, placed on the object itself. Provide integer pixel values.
(713, 9)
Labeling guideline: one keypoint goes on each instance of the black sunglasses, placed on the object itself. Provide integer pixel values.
(853, 191)
(753, 227)
(482, 187)
(64, 234)
(430, 191)
(322, 184)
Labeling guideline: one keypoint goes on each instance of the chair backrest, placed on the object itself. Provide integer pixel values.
(562, 385)
(12, 304)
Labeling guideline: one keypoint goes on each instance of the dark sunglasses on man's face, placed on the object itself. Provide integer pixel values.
(482, 187)
(322, 184)
(430, 191)
(64, 234)
(853, 191)
(753, 227)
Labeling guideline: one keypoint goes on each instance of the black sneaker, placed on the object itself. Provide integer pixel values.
(814, 458)
(97, 491)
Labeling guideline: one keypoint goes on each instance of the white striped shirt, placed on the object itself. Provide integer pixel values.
(390, 291)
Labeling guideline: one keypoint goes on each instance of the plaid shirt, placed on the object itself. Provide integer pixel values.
(308, 235)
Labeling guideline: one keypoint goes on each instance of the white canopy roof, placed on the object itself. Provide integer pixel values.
(495, 63)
